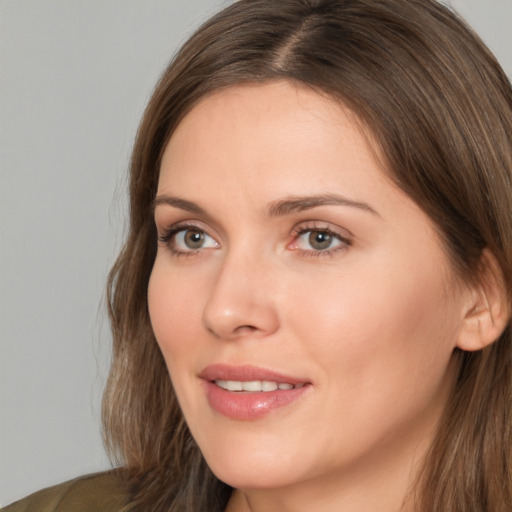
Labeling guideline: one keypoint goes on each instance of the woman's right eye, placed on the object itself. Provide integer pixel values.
(187, 239)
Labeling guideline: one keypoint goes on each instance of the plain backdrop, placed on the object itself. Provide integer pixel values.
(74, 78)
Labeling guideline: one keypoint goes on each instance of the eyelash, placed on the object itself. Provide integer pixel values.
(167, 239)
(315, 228)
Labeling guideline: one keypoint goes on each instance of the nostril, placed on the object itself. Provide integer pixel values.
(245, 329)
(241, 330)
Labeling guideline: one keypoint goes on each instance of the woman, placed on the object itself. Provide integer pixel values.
(320, 257)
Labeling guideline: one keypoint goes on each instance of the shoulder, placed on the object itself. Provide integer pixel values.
(103, 492)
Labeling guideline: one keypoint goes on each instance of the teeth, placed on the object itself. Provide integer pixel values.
(269, 386)
(254, 386)
(234, 386)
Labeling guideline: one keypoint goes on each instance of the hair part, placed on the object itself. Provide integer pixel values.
(439, 108)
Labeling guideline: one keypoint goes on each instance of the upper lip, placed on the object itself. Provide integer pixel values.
(246, 373)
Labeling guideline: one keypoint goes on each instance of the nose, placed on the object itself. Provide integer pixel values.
(241, 301)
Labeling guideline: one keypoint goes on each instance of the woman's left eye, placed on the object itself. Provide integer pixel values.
(319, 241)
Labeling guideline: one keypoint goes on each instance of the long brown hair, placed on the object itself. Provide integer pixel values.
(439, 108)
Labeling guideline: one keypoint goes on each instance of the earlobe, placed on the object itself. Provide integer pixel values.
(488, 312)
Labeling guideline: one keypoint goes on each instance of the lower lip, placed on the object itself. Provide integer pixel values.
(241, 405)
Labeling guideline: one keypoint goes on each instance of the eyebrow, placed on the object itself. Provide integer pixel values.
(301, 203)
(276, 208)
(177, 202)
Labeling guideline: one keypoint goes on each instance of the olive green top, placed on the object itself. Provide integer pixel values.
(100, 492)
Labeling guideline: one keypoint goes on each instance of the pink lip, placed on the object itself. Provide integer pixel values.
(242, 405)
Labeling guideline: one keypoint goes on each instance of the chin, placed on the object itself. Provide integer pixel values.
(260, 470)
(254, 478)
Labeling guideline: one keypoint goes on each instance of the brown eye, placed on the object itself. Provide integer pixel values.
(188, 240)
(320, 240)
(193, 239)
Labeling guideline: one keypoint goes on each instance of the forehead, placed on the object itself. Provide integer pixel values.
(274, 129)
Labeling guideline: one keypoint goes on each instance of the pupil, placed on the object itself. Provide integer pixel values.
(194, 239)
(320, 240)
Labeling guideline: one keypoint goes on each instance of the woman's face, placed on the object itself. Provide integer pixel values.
(303, 303)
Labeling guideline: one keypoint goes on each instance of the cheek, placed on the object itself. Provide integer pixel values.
(173, 310)
(384, 357)
(384, 325)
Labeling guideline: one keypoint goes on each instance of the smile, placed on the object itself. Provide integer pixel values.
(248, 392)
(255, 386)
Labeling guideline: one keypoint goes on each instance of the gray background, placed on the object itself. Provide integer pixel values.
(74, 78)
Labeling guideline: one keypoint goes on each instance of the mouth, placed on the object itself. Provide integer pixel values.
(248, 392)
(256, 386)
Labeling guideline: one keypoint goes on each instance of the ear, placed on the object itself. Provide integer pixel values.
(487, 312)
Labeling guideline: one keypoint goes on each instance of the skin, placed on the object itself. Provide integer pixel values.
(371, 322)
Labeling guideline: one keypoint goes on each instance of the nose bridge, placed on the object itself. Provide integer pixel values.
(240, 300)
